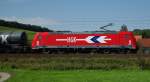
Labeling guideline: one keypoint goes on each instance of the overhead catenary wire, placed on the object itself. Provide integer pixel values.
(94, 23)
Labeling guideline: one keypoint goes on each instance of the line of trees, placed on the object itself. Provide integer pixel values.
(14, 24)
(145, 32)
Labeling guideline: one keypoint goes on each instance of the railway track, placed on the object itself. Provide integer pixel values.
(72, 54)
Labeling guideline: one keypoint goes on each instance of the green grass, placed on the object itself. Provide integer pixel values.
(80, 76)
(9, 29)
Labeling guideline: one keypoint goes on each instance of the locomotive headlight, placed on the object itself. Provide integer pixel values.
(37, 43)
(129, 43)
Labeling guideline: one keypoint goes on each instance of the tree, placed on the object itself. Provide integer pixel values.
(14, 24)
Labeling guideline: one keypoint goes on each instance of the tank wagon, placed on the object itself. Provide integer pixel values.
(13, 41)
(103, 42)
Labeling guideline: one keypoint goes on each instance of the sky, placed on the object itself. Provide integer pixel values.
(78, 15)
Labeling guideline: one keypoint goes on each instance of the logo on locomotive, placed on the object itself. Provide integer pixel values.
(89, 39)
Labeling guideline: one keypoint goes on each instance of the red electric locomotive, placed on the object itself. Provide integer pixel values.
(105, 42)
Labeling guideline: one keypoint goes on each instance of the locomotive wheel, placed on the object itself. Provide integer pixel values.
(122, 51)
(106, 51)
(45, 51)
(127, 52)
(94, 51)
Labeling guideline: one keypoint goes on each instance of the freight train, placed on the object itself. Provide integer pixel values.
(49, 42)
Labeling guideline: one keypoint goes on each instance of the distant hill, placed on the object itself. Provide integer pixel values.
(14, 24)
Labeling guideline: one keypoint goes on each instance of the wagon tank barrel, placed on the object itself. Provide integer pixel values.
(7, 38)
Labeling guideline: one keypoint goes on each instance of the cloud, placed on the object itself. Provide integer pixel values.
(34, 21)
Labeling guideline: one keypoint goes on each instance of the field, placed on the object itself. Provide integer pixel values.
(76, 67)
(80, 76)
